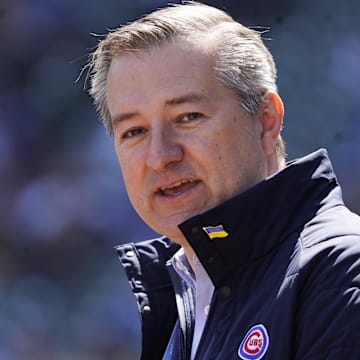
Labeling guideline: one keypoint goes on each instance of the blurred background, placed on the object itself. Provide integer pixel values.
(63, 206)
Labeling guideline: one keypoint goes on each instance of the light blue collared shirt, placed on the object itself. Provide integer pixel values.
(200, 282)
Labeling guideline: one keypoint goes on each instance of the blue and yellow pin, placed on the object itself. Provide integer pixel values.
(215, 232)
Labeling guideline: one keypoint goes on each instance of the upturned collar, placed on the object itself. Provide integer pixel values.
(252, 224)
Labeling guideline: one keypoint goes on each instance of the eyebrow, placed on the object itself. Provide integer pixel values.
(188, 98)
(122, 117)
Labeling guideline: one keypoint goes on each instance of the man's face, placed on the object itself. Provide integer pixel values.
(183, 142)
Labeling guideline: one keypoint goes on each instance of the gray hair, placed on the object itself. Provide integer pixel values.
(243, 62)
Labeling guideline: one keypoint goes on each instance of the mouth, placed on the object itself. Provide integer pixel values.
(177, 188)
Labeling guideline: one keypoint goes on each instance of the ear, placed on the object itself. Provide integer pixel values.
(271, 117)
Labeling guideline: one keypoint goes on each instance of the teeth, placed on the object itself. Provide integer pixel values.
(175, 184)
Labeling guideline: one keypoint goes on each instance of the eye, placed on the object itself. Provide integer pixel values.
(189, 117)
(133, 132)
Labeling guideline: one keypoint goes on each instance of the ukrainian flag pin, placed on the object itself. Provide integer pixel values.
(214, 232)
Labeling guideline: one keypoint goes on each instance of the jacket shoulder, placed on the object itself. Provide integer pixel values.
(329, 283)
(334, 223)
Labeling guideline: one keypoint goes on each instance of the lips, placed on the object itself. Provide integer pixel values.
(178, 187)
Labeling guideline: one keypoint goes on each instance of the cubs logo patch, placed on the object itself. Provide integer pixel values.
(254, 344)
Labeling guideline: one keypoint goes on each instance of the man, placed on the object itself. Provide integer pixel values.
(257, 259)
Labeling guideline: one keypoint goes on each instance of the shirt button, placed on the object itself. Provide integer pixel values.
(225, 292)
(146, 309)
(130, 253)
(206, 310)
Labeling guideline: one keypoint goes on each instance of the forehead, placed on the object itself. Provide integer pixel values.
(175, 66)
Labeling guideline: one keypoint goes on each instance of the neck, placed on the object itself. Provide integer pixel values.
(275, 164)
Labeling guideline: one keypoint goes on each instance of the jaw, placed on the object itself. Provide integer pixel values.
(171, 206)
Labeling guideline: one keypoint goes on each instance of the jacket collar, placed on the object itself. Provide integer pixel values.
(261, 218)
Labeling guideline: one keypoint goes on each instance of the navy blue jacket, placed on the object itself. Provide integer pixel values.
(286, 277)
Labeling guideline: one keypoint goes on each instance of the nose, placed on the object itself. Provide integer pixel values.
(164, 149)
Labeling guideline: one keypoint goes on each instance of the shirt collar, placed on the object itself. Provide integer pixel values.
(182, 267)
(193, 277)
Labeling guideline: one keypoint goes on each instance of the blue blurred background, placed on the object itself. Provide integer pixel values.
(63, 206)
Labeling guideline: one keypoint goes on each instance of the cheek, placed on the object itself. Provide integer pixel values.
(218, 154)
(130, 176)
(133, 189)
(131, 179)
